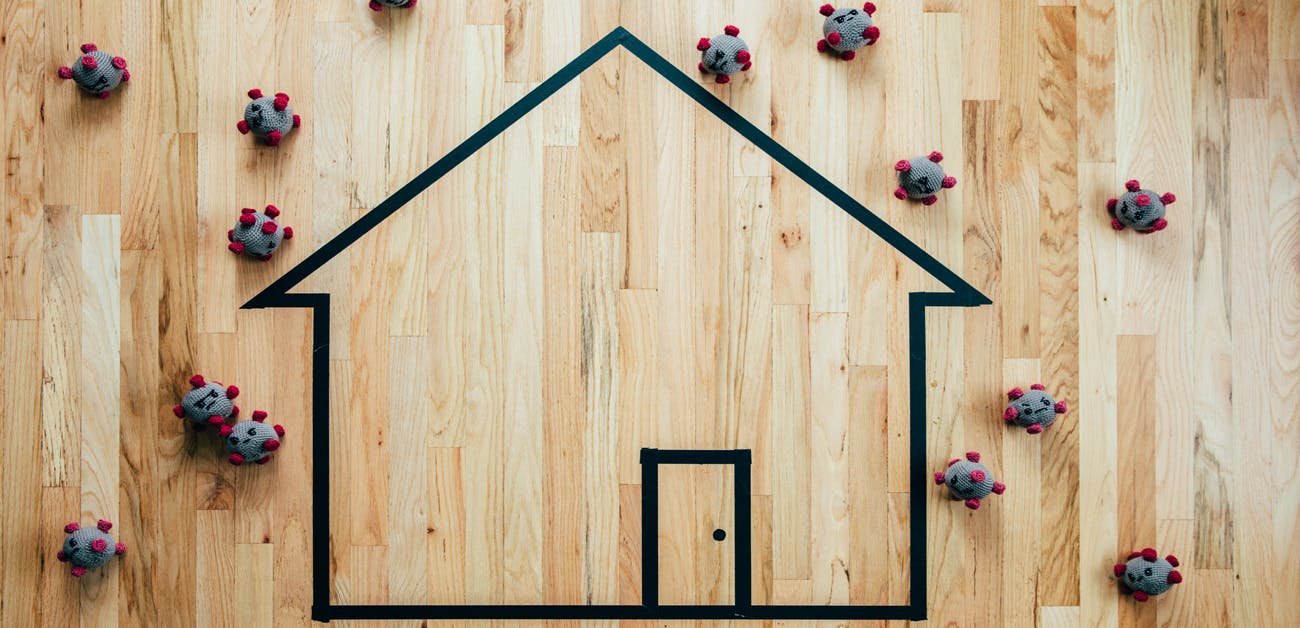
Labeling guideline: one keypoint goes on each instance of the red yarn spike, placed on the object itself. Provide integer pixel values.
(226, 430)
(1173, 560)
(1132, 555)
(949, 182)
(235, 247)
(264, 460)
(1116, 225)
(977, 476)
(954, 461)
(63, 558)
(279, 429)
(248, 210)
(1110, 205)
(1168, 198)
(900, 193)
(197, 381)
(869, 8)
(274, 138)
(89, 47)
(99, 545)
(1142, 200)
(1140, 596)
(1038, 387)
(119, 63)
(701, 66)
(742, 56)
(242, 125)
(232, 392)
(703, 44)
(973, 503)
(104, 525)
(288, 233)
(235, 459)
(265, 257)
(126, 75)
(375, 6)
(834, 38)
(216, 420)
(297, 120)
(1015, 393)
(1132, 185)
(254, 93)
(973, 456)
(1060, 407)
(234, 410)
(1010, 414)
(723, 78)
(821, 47)
(872, 34)
(230, 235)
(1149, 555)
(826, 10)
(247, 220)
(271, 445)
(1174, 577)
(71, 527)
(89, 62)
(938, 477)
(731, 30)
(848, 55)
(1119, 569)
(119, 549)
(280, 95)
(178, 411)
(65, 72)
(268, 227)
(746, 67)
(78, 571)
(1159, 224)
(903, 165)
(272, 211)
(999, 488)
(259, 415)
(279, 104)
(935, 156)
(1034, 429)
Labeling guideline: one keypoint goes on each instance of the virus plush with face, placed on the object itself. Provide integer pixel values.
(378, 5)
(1139, 209)
(268, 117)
(920, 177)
(1146, 574)
(1033, 410)
(207, 403)
(251, 441)
(258, 235)
(96, 71)
(724, 55)
(846, 30)
(969, 480)
(88, 548)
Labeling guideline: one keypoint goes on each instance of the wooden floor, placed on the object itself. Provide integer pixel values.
(620, 270)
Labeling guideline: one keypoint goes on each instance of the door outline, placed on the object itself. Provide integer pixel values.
(740, 460)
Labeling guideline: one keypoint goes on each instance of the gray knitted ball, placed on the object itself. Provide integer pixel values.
(207, 403)
(969, 480)
(88, 548)
(378, 5)
(258, 235)
(1139, 209)
(1146, 574)
(268, 117)
(846, 30)
(96, 71)
(724, 54)
(1034, 410)
(920, 177)
(251, 441)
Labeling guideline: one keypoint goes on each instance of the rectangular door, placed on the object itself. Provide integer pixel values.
(697, 535)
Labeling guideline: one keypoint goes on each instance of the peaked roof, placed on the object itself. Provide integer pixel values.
(963, 294)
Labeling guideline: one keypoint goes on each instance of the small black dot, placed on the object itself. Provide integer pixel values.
(719, 534)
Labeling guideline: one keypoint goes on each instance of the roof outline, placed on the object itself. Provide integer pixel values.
(277, 295)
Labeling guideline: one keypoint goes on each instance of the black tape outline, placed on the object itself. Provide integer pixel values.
(277, 295)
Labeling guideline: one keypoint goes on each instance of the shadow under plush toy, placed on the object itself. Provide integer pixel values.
(846, 30)
(88, 548)
(969, 480)
(1146, 574)
(724, 55)
(268, 117)
(251, 441)
(378, 5)
(920, 177)
(96, 71)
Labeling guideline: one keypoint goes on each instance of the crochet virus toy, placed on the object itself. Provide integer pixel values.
(921, 177)
(258, 235)
(208, 403)
(846, 30)
(267, 117)
(969, 480)
(96, 71)
(251, 441)
(1146, 574)
(1034, 410)
(88, 548)
(1139, 209)
(378, 5)
(724, 55)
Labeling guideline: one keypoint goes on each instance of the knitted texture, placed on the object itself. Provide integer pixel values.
(378, 5)
(251, 441)
(88, 548)
(96, 71)
(968, 480)
(1139, 209)
(920, 177)
(258, 235)
(846, 30)
(1146, 574)
(268, 117)
(207, 403)
(724, 54)
(1034, 410)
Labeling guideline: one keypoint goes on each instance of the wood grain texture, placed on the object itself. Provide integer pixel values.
(619, 270)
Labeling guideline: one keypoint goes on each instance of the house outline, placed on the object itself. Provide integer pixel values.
(277, 295)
